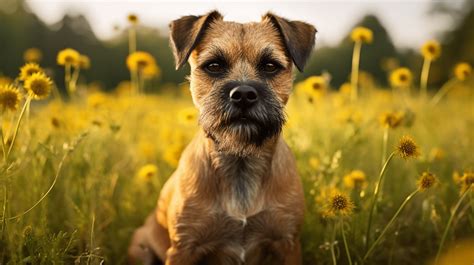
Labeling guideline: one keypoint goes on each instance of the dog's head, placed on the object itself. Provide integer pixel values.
(241, 74)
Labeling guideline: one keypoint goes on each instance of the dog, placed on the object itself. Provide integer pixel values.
(235, 197)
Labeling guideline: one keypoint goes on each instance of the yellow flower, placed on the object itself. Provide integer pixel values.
(407, 148)
(68, 57)
(28, 69)
(426, 181)
(173, 153)
(133, 19)
(152, 71)
(187, 116)
(345, 88)
(467, 181)
(10, 97)
(84, 62)
(314, 162)
(38, 85)
(143, 63)
(457, 178)
(362, 34)
(401, 77)
(314, 87)
(96, 99)
(5, 80)
(462, 71)
(338, 204)
(436, 154)
(391, 119)
(147, 172)
(431, 50)
(32, 55)
(355, 180)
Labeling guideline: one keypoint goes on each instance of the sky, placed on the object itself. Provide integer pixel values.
(408, 21)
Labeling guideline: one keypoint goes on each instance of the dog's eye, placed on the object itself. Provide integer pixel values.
(215, 68)
(270, 67)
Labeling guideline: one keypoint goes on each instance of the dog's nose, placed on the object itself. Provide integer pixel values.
(243, 96)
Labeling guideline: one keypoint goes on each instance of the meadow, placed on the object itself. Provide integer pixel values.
(387, 171)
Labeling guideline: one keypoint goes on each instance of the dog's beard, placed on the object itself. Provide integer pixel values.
(241, 132)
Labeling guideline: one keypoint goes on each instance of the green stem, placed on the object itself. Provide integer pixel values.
(67, 78)
(4, 209)
(450, 220)
(346, 246)
(60, 166)
(132, 40)
(374, 198)
(384, 144)
(425, 72)
(390, 223)
(355, 70)
(17, 127)
(4, 148)
(333, 239)
(442, 91)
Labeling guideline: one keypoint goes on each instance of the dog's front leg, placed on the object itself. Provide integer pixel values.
(290, 252)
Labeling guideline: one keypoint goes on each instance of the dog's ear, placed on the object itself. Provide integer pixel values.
(298, 37)
(186, 32)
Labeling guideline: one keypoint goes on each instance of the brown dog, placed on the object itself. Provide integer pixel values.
(235, 197)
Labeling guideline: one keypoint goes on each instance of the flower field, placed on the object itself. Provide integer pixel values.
(387, 171)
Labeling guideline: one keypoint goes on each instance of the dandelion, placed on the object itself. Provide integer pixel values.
(338, 204)
(32, 55)
(467, 181)
(391, 119)
(407, 148)
(462, 71)
(141, 65)
(315, 86)
(355, 180)
(10, 97)
(362, 34)
(29, 69)
(187, 116)
(359, 35)
(426, 181)
(401, 78)
(84, 62)
(431, 50)
(38, 86)
(147, 172)
(132, 18)
(68, 57)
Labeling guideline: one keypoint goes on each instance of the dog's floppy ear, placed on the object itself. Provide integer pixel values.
(186, 32)
(298, 37)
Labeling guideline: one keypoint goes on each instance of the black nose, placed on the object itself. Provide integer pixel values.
(243, 96)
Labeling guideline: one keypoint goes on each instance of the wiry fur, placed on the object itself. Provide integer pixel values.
(235, 197)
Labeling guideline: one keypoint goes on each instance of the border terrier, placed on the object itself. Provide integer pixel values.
(235, 197)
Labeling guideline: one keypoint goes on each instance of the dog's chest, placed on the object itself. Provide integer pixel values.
(240, 185)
